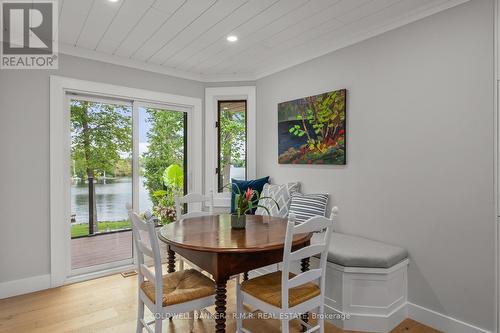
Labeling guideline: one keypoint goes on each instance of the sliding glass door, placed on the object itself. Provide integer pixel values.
(162, 159)
(121, 152)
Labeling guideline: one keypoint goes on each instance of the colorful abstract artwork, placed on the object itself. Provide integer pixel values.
(312, 130)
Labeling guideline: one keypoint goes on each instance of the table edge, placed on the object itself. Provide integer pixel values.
(301, 240)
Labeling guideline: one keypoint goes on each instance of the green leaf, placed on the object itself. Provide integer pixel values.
(275, 202)
(173, 176)
(159, 193)
(265, 208)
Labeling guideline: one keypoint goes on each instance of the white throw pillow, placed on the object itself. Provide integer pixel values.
(282, 194)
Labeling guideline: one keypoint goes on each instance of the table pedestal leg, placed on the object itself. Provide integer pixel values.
(170, 260)
(220, 306)
(304, 265)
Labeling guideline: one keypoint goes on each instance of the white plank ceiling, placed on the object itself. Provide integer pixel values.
(187, 38)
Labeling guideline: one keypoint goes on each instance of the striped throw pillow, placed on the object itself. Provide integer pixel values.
(305, 206)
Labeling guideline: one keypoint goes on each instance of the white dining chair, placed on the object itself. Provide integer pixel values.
(167, 295)
(207, 200)
(333, 214)
(284, 294)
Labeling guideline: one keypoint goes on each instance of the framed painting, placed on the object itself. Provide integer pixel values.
(312, 130)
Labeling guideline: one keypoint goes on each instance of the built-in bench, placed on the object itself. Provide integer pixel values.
(354, 251)
(366, 283)
(366, 280)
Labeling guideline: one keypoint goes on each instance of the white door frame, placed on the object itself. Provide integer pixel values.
(60, 156)
(212, 96)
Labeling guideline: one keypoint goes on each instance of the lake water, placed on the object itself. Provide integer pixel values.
(110, 200)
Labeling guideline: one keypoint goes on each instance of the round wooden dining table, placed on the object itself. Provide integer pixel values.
(210, 243)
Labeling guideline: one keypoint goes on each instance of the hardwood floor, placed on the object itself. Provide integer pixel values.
(109, 305)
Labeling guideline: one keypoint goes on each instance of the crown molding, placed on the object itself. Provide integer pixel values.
(229, 77)
(121, 61)
(210, 78)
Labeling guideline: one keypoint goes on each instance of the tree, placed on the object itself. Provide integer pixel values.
(232, 142)
(100, 135)
(320, 116)
(166, 147)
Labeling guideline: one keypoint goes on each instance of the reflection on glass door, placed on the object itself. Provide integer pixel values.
(162, 162)
(101, 181)
(105, 150)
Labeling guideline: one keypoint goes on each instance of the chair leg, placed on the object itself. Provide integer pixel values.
(140, 315)
(284, 326)
(191, 321)
(239, 309)
(158, 325)
(321, 319)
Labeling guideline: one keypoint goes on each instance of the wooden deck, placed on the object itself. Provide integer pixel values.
(101, 249)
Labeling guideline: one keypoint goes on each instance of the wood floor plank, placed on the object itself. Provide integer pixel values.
(412, 326)
(109, 304)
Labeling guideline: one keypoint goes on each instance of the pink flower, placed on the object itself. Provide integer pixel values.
(248, 194)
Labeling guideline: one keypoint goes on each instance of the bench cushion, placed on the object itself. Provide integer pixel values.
(354, 251)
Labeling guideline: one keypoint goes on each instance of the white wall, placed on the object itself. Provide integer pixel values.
(24, 151)
(420, 157)
(420, 151)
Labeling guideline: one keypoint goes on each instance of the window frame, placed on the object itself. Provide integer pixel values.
(218, 168)
(212, 96)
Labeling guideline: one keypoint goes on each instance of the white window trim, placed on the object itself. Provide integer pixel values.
(60, 200)
(212, 97)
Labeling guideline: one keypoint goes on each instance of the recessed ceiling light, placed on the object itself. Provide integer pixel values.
(232, 38)
(113, 0)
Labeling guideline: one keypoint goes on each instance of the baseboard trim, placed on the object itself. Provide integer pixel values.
(428, 317)
(440, 321)
(24, 286)
(99, 274)
(369, 322)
